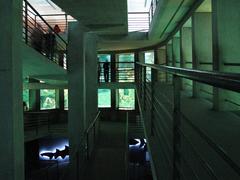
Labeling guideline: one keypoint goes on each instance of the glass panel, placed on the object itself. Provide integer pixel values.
(149, 59)
(47, 99)
(125, 99)
(125, 68)
(66, 99)
(104, 68)
(104, 98)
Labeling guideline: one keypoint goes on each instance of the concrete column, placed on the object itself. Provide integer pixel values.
(176, 50)
(82, 84)
(91, 76)
(202, 50)
(11, 104)
(77, 97)
(161, 53)
(61, 99)
(186, 51)
(226, 54)
(34, 97)
(113, 67)
(169, 60)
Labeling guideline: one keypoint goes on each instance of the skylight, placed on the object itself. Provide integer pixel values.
(138, 15)
(139, 5)
(46, 7)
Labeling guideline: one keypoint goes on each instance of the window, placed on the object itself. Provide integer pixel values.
(104, 98)
(125, 68)
(26, 97)
(102, 58)
(125, 99)
(66, 99)
(47, 99)
(149, 59)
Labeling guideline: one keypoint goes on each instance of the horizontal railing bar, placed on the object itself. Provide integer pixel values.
(203, 162)
(218, 149)
(230, 81)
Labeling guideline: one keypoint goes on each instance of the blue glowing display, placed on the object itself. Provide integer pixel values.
(56, 149)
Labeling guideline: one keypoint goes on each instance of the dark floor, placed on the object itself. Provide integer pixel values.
(108, 162)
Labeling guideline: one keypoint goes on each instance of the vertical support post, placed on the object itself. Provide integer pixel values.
(144, 88)
(113, 67)
(176, 126)
(152, 99)
(87, 138)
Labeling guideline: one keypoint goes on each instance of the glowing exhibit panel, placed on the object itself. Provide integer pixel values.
(54, 149)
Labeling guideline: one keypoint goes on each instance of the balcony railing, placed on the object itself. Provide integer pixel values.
(42, 36)
(164, 118)
(118, 72)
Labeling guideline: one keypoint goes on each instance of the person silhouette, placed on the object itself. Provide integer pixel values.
(106, 71)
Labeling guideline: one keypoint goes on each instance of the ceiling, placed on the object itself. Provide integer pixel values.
(110, 18)
(107, 16)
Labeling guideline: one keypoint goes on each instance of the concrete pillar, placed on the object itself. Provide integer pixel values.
(113, 67)
(169, 60)
(226, 54)
(61, 99)
(82, 84)
(11, 104)
(202, 50)
(176, 50)
(77, 97)
(186, 52)
(34, 97)
(161, 53)
(91, 76)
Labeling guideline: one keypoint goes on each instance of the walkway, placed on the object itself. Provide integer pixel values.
(108, 162)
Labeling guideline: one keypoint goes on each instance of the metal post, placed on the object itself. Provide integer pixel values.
(94, 134)
(176, 127)
(152, 99)
(144, 88)
(87, 148)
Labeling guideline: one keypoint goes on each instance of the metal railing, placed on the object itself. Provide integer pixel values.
(42, 37)
(93, 127)
(164, 118)
(118, 72)
(81, 155)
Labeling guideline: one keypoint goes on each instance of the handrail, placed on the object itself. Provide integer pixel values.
(35, 11)
(86, 133)
(230, 81)
(84, 139)
(93, 123)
